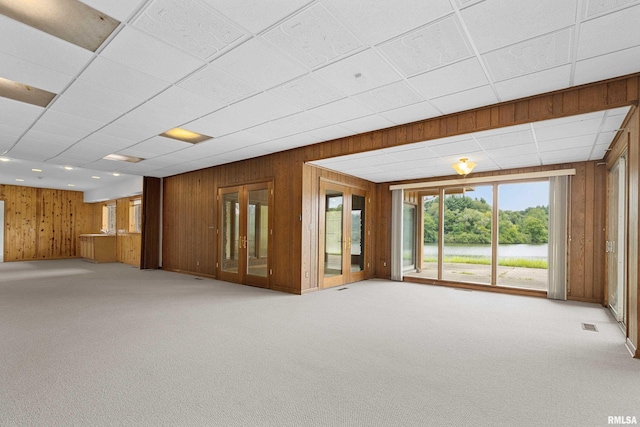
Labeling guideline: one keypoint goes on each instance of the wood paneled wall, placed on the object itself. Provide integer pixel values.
(310, 220)
(189, 208)
(45, 224)
(151, 207)
(128, 245)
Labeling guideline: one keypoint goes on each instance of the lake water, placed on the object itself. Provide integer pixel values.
(504, 251)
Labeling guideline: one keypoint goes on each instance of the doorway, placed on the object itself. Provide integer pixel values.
(617, 240)
(244, 238)
(342, 234)
(1, 230)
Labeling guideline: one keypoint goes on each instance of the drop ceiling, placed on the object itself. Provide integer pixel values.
(262, 77)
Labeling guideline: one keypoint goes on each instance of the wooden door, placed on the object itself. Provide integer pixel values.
(342, 234)
(244, 234)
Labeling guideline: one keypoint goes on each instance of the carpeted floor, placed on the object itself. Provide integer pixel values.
(106, 344)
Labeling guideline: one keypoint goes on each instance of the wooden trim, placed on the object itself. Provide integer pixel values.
(477, 287)
(462, 182)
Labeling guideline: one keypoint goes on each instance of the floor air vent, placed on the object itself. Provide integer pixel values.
(589, 327)
(198, 278)
(342, 289)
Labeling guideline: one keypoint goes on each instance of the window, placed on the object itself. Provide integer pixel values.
(494, 233)
(135, 216)
(109, 218)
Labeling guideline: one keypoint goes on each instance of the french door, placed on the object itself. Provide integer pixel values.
(342, 234)
(244, 234)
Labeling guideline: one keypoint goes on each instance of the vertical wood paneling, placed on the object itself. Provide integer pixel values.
(150, 236)
(44, 223)
(633, 278)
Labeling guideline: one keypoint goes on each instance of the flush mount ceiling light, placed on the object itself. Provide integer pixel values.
(185, 135)
(69, 168)
(68, 20)
(464, 166)
(4, 159)
(123, 158)
(24, 93)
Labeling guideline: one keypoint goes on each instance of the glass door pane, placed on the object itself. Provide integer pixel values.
(467, 234)
(408, 237)
(257, 232)
(230, 232)
(431, 206)
(333, 233)
(357, 233)
(523, 235)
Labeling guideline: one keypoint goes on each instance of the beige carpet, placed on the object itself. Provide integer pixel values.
(90, 345)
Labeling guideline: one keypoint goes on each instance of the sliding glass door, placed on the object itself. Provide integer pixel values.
(616, 240)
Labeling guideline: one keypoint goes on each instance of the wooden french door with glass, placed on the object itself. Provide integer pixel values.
(342, 234)
(244, 231)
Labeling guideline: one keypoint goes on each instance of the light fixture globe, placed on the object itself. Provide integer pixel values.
(464, 166)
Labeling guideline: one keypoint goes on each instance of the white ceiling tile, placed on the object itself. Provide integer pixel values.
(599, 151)
(18, 113)
(222, 122)
(599, 68)
(331, 132)
(517, 162)
(358, 73)
(152, 117)
(534, 83)
(115, 142)
(454, 78)
(612, 122)
(456, 148)
(263, 107)
(40, 48)
(375, 21)
(307, 92)
(159, 145)
(530, 56)
(271, 130)
(189, 104)
(598, 7)
(609, 33)
(389, 97)
(217, 85)
(417, 154)
(30, 149)
(289, 142)
(506, 139)
(497, 23)
(524, 150)
(119, 9)
(411, 113)
(568, 120)
(314, 37)
(466, 100)
(49, 138)
(60, 130)
(122, 79)
(256, 15)
(560, 156)
(86, 93)
(303, 122)
(565, 130)
(190, 26)
(60, 120)
(566, 143)
(430, 47)
(367, 124)
(29, 73)
(339, 111)
(135, 49)
(258, 64)
(11, 132)
(94, 112)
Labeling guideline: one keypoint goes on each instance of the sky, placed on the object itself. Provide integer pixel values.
(515, 197)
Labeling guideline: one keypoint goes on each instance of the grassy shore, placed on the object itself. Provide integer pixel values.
(505, 262)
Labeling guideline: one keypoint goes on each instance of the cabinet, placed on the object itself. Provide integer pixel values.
(98, 247)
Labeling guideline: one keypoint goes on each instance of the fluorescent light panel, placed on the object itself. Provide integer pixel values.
(24, 93)
(185, 135)
(68, 20)
(123, 158)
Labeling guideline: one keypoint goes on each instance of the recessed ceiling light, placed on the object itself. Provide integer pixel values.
(68, 20)
(116, 174)
(69, 168)
(123, 158)
(36, 170)
(19, 179)
(95, 177)
(4, 159)
(185, 135)
(25, 93)
(71, 185)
